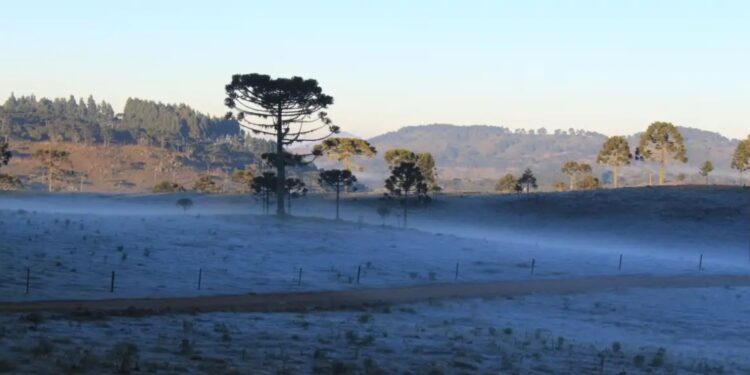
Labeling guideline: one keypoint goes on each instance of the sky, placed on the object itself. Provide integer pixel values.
(607, 66)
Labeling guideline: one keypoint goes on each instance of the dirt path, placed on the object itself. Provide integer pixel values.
(331, 300)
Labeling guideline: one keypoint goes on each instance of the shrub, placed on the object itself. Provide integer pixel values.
(167, 187)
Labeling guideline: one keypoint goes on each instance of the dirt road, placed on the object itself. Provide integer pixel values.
(332, 300)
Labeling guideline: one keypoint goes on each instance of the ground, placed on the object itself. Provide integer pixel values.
(72, 243)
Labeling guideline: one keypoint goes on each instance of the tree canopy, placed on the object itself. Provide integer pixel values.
(741, 157)
(507, 184)
(343, 149)
(288, 109)
(615, 153)
(661, 142)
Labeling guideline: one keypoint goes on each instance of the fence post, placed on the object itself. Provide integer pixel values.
(533, 263)
(619, 265)
(28, 278)
(359, 270)
(299, 278)
(456, 277)
(200, 277)
(112, 283)
(700, 263)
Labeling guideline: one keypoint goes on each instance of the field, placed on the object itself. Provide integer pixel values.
(69, 246)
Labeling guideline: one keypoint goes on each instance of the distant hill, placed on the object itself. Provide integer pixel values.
(480, 154)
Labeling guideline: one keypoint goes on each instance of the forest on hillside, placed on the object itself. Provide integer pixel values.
(91, 122)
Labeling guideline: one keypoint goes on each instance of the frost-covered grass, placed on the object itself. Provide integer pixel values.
(683, 331)
(72, 244)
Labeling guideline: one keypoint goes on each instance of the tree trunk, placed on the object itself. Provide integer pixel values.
(338, 188)
(662, 166)
(289, 202)
(280, 167)
(406, 205)
(572, 182)
(617, 176)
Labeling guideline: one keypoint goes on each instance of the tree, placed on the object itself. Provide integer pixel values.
(383, 211)
(264, 185)
(424, 161)
(5, 153)
(405, 179)
(528, 180)
(615, 153)
(343, 149)
(559, 186)
(54, 161)
(7, 182)
(167, 187)
(337, 179)
(573, 169)
(706, 168)
(506, 184)
(661, 142)
(205, 184)
(185, 203)
(294, 188)
(741, 157)
(289, 109)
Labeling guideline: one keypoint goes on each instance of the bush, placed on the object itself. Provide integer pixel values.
(167, 187)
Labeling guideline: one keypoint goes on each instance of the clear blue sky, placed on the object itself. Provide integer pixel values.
(609, 66)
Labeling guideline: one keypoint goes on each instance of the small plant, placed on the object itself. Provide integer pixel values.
(616, 347)
(185, 203)
(124, 357)
(508, 331)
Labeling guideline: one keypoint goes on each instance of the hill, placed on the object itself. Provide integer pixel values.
(479, 154)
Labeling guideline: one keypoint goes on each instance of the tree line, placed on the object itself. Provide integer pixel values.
(91, 122)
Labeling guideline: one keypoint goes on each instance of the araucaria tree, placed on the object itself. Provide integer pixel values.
(741, 157)
(336, 180)
(706, 169)
(573, 169)
(406, 178)
(615, 153)
(54, 161)
(343, 149)
(288, 109)
(528, 180)
(661, 142)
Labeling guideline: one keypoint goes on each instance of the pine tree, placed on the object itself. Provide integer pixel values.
(405, 179)
(343, 149)
(528, 180)
(741, 157)
(706, 168)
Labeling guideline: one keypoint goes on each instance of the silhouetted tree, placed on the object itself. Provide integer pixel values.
(264, 185)
(706, 168)
(615, 153)
(405, 179)
(185, 203)
(383, 211)
(337, 179)
(285, 108)
(424, 161)
(741, 157)
(5, 153)
(528, 180)
(661, 142)
(343, 149)
(506, 184)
